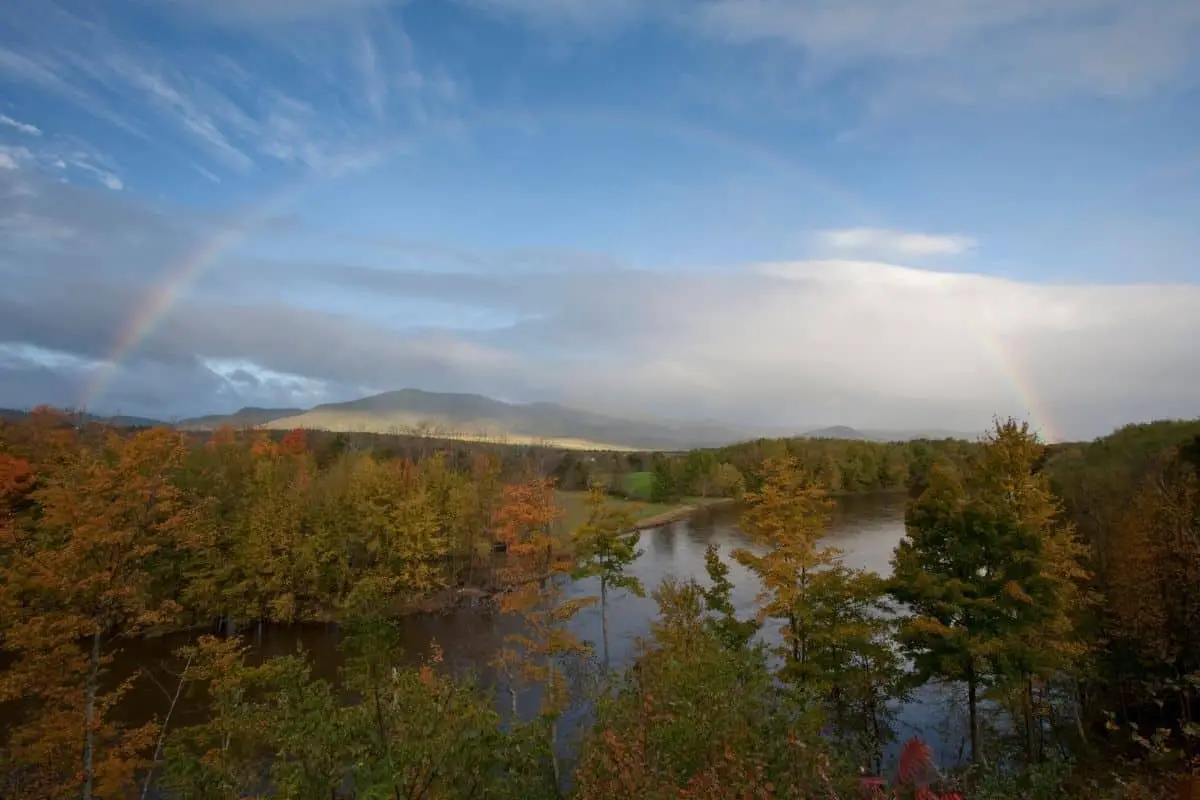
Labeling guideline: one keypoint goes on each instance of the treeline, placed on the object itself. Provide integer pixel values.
(1067, 622)
(1134, 497)
(840, 465)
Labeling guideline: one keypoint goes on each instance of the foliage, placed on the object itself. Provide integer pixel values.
(734, 633)
(991, 577)
(605, 546)
(1060, 584)
(695, 718)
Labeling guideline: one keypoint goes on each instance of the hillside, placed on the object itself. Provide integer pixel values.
(248, 417)
(472, 416)
(835, 432)
(845, 432)
(120, 421)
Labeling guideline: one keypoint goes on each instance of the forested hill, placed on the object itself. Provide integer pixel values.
(841, 465)
(1097, 481)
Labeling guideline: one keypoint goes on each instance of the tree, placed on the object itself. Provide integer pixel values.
(693, 718)
(605, 546)
(733, 632)
(986, 570)
(788, 514)
(524, 522)
(1153, 583)
(665, 483)
(728, 481)
(88, 570)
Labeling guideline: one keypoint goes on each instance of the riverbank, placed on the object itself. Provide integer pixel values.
(682, 512)
(645, 515)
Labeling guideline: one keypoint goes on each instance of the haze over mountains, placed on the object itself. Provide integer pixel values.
(475, 417)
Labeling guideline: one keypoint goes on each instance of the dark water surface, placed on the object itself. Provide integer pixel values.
(865, 527)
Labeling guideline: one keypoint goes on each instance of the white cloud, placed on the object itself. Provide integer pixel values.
(13, 157)
(797, 343)
(893, 243)
(23, 127)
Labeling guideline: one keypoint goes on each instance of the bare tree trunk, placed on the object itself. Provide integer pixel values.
(554, 757)
(604, 618)
(89, 713)
(162, 732)
(973, 708)
(1030, 756)
(1077, 694)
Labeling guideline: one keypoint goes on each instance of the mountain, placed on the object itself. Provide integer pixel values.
(836, 432)
(248, 417)
(472, 416)
(918, 433)
(475, 417)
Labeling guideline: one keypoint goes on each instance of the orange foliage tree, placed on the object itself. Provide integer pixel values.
(536, 568)
(85, 572)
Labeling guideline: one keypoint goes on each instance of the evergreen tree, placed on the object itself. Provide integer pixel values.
(987, 572)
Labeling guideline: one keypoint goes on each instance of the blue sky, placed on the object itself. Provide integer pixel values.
(608, 202)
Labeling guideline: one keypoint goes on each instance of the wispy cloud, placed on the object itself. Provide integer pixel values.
(242, 118)
(375, 85)
(274, 12)
(21, 68)
(23, 127)
(895, 244)
(60, 154)
(179, 106)
(974, 51)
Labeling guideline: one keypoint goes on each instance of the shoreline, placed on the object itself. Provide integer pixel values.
(680, 513)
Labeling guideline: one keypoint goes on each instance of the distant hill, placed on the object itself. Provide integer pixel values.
(472, 416)
(120, 421)
(835, 432)
(919, 433)
(415, 412)
(248, 417)
(871, 435)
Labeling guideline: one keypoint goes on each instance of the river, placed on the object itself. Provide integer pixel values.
(865, 527)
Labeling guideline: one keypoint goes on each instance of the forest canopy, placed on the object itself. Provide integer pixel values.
(1057, 587)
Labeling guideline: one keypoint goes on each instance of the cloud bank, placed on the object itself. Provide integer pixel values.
(807, 342)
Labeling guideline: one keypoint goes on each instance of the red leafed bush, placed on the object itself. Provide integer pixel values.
(914, 775)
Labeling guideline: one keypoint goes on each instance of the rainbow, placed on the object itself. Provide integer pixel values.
(180, 277)
(1035, 410)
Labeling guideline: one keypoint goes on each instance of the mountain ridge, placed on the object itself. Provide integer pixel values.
(475, 417)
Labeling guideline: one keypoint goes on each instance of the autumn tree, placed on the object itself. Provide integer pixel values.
(1153, 584)
(605, 547)
(524, 522)
(788, 515)
(87, 571)
(279, 556)
(693, 718)
(836, 638)
(274, 708)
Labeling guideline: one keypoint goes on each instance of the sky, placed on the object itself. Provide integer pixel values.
(877, 213)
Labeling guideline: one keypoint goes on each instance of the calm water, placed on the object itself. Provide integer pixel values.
(866, 528)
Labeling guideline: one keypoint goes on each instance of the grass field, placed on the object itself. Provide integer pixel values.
(639, 485)
(575, 508)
